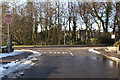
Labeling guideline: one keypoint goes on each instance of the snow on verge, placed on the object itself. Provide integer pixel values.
(23, 50)
(94, 51)
(97, 52)
(15, 69)
(2, 55)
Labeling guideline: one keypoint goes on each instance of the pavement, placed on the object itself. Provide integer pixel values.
(110, 54)
(71, 62)
(19, 57)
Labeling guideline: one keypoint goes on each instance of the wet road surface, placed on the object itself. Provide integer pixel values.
(71, 63)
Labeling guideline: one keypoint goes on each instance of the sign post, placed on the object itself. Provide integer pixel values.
(8, 19)
(118, 49)
(113, 37)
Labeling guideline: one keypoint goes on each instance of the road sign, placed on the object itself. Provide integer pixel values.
(113, 36)
(118, 49)
(8, 19)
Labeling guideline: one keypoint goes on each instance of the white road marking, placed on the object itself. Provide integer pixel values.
(71, 54)
(66, 52)
(58, 52)
(54, 52)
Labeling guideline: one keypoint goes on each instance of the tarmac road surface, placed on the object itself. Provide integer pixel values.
(71, 62)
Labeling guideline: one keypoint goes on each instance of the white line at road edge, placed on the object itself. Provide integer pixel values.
(71, 54)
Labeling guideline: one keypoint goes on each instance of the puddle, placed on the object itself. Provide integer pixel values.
(107, 61)
(101, 59)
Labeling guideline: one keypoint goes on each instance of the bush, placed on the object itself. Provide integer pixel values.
(78, 42)
(94, 41)
(105, 38)
(116, 44)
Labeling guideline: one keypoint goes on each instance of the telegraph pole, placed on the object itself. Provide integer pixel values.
(64, 37)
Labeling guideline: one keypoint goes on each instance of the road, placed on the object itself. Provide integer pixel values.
(71, 62)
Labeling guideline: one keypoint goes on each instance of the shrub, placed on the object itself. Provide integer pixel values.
(78, 42)
(116, 44)
(94, 41)
(105, 38)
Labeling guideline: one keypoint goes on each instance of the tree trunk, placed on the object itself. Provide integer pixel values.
(74, 29)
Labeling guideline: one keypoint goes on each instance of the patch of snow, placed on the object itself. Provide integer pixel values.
(107, 50)
(114, 58)
(15, 69)
(35, 52)
(97, 52)
(3, 46)
(9, 54)
(12, 71)
(1, 70)
(94, 51)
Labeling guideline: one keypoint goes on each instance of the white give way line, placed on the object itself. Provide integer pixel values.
(71, 53)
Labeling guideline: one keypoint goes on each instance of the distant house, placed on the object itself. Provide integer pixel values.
(83, 35)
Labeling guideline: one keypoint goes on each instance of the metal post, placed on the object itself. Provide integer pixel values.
(64, 30)
(1, 26)
(64, 37)
(8, 37)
